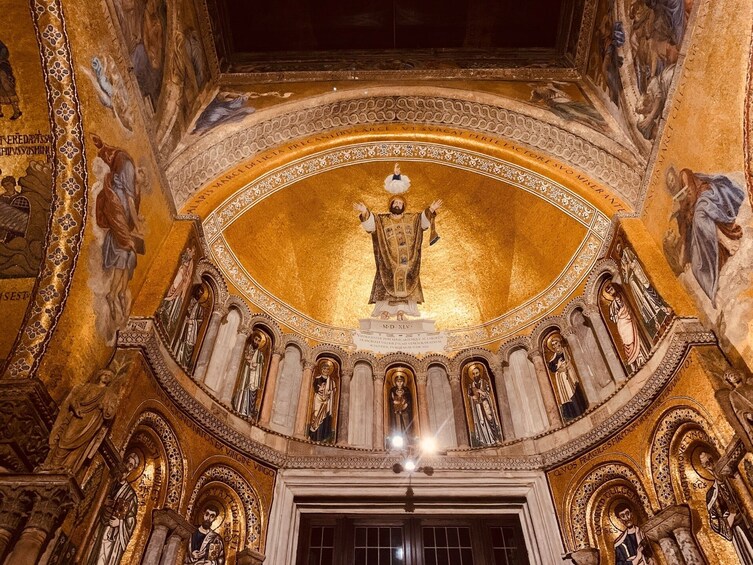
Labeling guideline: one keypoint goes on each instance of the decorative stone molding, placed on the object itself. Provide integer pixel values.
(171, 448)
(300, 343)
(468, 355)
(683, 334)
(267, 324)
(194, 169)
(545, 325)
(387, 361)
(520, 342)
(435, 359)
(234, 301)
(205, 268)
(247, 494)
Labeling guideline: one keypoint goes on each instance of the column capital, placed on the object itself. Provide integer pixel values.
(308, 365)
(454, 378)
(279, 351)
(16, 505)
(422, 378)
(173, 521)
(535, 355)
(377, 376)
(250, 557)
(584, 556)
(590, 310)
(664, 523)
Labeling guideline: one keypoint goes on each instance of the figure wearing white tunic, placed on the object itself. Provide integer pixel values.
(250, 381)
(486, 429)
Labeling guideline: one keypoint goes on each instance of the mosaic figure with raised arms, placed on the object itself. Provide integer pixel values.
(397, 237)
(117, 518)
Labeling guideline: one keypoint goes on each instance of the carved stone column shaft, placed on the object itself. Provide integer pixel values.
(344, 410)
(458, 411)
(269, 389)
(593, 316)
(547, 393)
(301, 413)
(213, 329)
(423, 405)
(503, 403)
(379, 412)
(233, 366)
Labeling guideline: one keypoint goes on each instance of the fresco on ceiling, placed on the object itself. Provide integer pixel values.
(119, 231)
(482, 417)
(252, 376)
(230, 107)
(111, 91)
(324, 400)
(554, 97)
(144, 27)
(634, 54)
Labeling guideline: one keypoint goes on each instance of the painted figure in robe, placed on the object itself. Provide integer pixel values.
(252, 373)
(567, 383)
(627, 326)
(401, 408)
(325, 389)
(205, 546)
(486, 429)
(173, 302)
(631, 547)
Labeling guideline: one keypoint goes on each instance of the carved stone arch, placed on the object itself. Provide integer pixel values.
(578, 303)
(583, 494)
(235, 481)
(269, 325)
(685, 443)
(665, 432)
(205, 268)
(395, 359)
(174, 456)
(601, 269)
(520, 342)
(362, 357)
(300, 343)
(608, 162)
(324, 350)
(544, 326)
(436, 359)
(233, 301)
(492, 361)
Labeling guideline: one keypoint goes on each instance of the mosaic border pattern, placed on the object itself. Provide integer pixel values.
(503, 326)
(69, 193)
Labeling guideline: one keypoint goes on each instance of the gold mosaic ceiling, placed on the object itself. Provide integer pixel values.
(513, 244)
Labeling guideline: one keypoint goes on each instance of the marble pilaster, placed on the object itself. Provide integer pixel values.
(268, 399)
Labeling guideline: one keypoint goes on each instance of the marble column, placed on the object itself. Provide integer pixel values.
(503, 402)
(671, 529)
(595, 321)
(423, 404)
(458, 411)
(268, 399)
(233, 366)
(210, 337)
(545, 386)
(301, 413)
(15, 506)
(54, 495)
(249, 557)
(379, 411)
(169, 532)
(585, 556)
(344, 410)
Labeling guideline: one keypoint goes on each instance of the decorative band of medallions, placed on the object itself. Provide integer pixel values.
(69, 198)
(499, 328)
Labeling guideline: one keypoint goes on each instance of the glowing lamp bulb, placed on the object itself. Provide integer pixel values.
(410, 465)
(429, 445)
(397, 441)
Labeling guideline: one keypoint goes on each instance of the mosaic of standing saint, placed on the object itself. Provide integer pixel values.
(564, 374)
(247, 399)
(397, 237)
(323, 413)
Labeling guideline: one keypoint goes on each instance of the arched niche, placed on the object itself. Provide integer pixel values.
(528, 412)
(288, 390)
(361, 409)
(193, 323)
(441, 412)
(323, 399)
(563, 373)
(480, 401)
(253, 370)
(597, 380)
(400, 404)
(217, 377)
